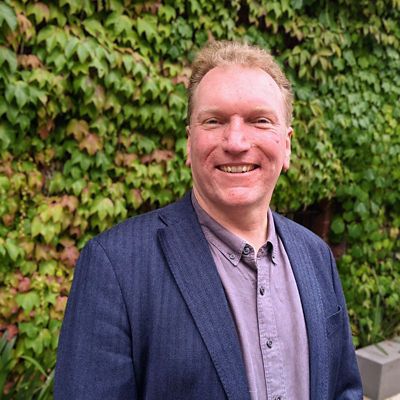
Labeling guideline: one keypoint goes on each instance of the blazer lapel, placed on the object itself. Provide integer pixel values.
(191, 263)
(310, 295)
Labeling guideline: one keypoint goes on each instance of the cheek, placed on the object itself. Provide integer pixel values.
(273, 145)
(201, 147)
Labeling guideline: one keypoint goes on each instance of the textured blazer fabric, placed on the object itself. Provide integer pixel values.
(147, 317)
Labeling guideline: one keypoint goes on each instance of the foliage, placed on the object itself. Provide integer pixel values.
(5, 359)
(92, 131)
(34, 382)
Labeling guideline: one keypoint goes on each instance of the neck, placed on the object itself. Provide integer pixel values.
(248, 222)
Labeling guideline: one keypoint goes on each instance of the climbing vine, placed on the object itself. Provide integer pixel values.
(92, 131)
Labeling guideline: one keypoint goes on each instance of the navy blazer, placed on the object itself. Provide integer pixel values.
(147, 317)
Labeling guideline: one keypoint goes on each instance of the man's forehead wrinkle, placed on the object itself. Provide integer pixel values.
(243, 67)
(252, 111)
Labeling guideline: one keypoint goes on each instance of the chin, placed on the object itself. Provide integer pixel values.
(243, 198)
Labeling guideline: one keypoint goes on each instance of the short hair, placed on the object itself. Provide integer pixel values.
(221, 53)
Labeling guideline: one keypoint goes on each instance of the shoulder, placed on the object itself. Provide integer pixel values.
(143, 228)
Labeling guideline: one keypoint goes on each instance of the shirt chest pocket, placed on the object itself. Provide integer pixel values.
(334, 322)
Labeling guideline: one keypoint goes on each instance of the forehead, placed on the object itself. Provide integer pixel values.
(236, 86)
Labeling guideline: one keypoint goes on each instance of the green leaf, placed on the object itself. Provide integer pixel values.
(9, 56)
(47, 230)
(70, 48)
(29, 328)
(103, 207)
(78, 186)
(57, 14)
(28, 300)
(35, 93)
(147, 26)
(50, 298)
(48, 267)
(120, 23)
(57, 212)
(4, 181)
(349, 57)
(7, 136)
(7, 14)
(361, 209)
(296, 4)
(12, 249)
(40, 10)
(83, 52)
(56, 184)
(36, 226)
(94, 28)
(44, 33)
(168, 12)
(27, 267)
(337, 226)
(21, 93)
(355, 230)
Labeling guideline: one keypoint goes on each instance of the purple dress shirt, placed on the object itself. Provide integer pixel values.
(266, 307)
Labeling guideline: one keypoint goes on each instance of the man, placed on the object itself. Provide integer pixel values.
(215, 296)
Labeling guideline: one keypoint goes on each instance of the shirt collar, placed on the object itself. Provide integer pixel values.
(231, 246)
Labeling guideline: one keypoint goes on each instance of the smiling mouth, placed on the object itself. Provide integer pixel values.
(237, 169)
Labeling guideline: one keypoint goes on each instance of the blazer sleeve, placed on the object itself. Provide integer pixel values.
(348, 384)
(94, 358)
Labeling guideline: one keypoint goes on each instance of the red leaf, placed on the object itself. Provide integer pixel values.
(91, 143)
(158, 156)
(69, 256)
(29, 61)
(45, 252)
(46, 128)
(12, 331)
(24, 285)
(78, 129)
(69, 201)
(8, 219)
(61, 303)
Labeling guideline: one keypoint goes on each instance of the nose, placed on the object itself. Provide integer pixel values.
(235, 138)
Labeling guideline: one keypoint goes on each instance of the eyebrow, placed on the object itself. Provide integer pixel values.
(209, 111)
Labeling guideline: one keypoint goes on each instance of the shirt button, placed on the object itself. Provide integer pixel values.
(246, 250)
(269, 343)
(262, 290)
(231, 256)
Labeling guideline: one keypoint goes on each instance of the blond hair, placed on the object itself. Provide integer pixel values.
(220, 53)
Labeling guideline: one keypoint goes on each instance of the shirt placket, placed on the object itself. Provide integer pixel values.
(269, 340)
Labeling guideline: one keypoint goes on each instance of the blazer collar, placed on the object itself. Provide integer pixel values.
(303, 266)
(192, 265)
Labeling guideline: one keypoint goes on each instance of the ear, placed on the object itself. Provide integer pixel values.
(288, 148)
(188, 144)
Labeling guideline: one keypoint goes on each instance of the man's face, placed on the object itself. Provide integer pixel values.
(238, 141)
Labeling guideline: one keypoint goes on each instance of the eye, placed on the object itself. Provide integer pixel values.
(262, 120)
(211, 121)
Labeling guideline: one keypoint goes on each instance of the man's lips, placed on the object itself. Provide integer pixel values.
(237, 168)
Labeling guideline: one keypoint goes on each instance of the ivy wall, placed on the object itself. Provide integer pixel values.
(92, 131)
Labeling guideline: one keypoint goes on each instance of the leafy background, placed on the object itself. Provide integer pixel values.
(92, 110)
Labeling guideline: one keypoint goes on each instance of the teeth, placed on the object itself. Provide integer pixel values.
(235, 169)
